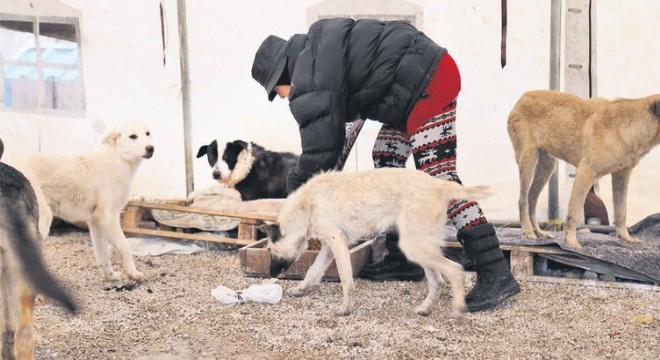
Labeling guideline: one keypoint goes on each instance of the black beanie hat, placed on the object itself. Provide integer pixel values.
(269, 62)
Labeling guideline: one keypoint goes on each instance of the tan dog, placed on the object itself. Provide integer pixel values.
(93, 188)
(341, 208)
(597, 136)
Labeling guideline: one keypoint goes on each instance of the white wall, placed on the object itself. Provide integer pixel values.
(125, 78)
(469, 29)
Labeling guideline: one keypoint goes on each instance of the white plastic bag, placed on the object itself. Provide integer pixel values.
(263, 293)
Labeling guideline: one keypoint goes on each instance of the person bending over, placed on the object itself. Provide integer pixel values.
(388, 71)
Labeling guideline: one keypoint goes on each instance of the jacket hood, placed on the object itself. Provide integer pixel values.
(269, 62)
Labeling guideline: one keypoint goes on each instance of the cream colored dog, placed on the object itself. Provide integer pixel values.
(93, 188)
(340, 209)
(597, 136)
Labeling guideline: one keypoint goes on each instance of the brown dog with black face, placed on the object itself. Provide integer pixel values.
(597, 136)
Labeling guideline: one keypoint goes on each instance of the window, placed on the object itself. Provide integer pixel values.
(40, 67)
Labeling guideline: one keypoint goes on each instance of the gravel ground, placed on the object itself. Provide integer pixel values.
(172, 315)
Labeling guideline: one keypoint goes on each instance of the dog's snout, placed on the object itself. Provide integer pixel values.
(148, 151)
(216, 175)
(278, 266)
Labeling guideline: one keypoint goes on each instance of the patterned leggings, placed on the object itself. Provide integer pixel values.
(433, 146)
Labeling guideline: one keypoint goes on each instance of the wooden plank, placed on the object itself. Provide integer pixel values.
(187, 236)
(188, 209)
(131, 217)
(247, 231)
(522, 263)
(525, 248)
(591, 283)
(255, 261)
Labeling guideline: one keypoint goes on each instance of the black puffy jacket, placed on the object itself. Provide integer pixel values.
(345, 69)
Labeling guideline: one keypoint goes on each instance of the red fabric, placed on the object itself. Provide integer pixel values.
(441, 90)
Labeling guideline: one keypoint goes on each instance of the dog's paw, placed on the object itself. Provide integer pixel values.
(529, 234)
(296, 292)
(458, 315)
(343, 311)
(632, 240)
(571, 242)
(543, 234)
(422, 311)
(112, 276)
(137, 276)
(191, 198)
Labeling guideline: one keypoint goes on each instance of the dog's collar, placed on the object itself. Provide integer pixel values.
(243, 166)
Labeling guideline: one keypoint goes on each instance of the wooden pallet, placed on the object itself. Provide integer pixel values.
(521, 256)
(134, 216)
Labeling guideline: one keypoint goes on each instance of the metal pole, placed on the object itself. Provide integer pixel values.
(555, 61)
(185, 93)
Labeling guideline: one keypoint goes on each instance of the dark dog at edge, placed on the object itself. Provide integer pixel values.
(22, 271)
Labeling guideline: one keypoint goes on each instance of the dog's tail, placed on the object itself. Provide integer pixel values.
(462, 192)
(23, 241)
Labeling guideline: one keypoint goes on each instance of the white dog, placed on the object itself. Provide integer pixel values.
(340, 209)
(93, 188)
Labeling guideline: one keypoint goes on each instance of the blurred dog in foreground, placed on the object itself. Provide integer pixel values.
(597, 136)
(24, 221)
(340, 209)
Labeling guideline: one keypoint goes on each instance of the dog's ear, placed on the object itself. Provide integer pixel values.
(272, 230)
(256, 149)
(655, 108)
(211, 150)
(111, 138)
(202, 151)
(241, 143)
(2, 148)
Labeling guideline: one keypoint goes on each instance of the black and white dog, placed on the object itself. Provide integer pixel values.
(255, 172)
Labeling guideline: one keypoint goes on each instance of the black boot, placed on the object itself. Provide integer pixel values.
(495, 283)
(394, 266)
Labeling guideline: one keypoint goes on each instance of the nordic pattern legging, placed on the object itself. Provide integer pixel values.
(433, 146)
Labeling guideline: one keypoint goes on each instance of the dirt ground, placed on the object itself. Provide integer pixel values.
(172, 315)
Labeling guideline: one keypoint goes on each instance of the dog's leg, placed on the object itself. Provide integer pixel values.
(102, 252)
(339, 246)
(24, 346)
(527, 159)
(545, 167)
(315, 272)
(425, 250)
(584, 179)
(434, 282)
(118, 238)
(454, 274)
(9, 308)
(620, 194)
